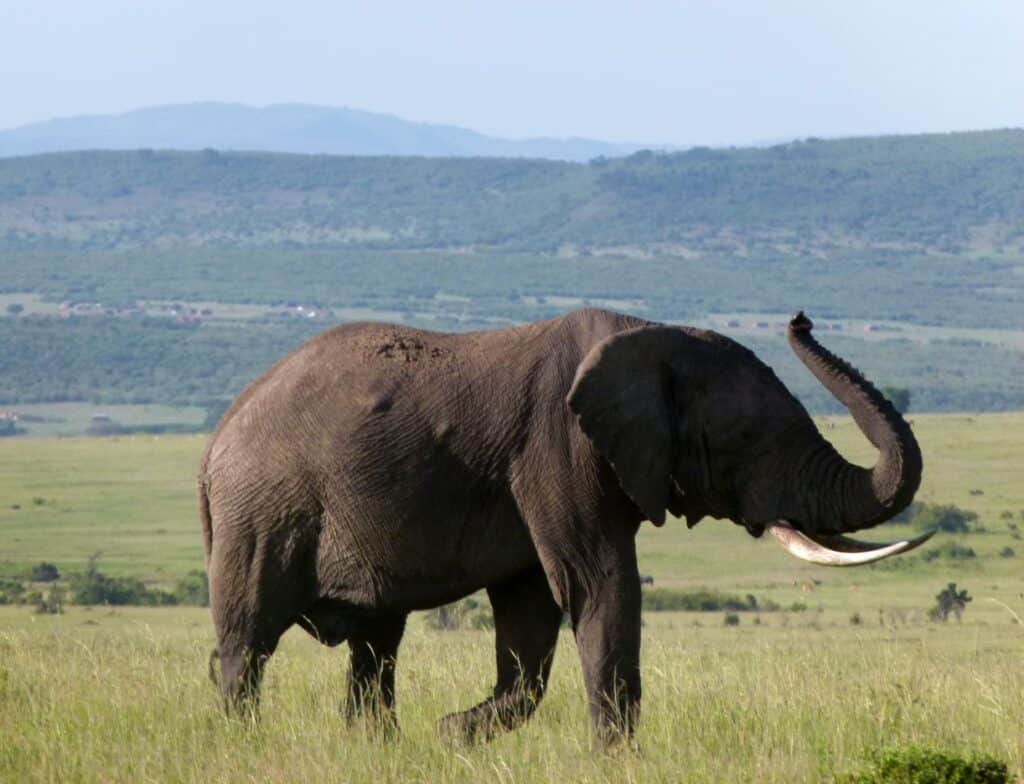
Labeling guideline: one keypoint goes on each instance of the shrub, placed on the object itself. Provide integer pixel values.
(856, 620)
(918, 765)
(1007, 552)
(193, 589)
(731, 619)
(949, 600)
(44, 572)
(949, 518)
(94, 587)
(952, 550)
(11, 592)
(470, 613)
(701, 600)
(52, 603)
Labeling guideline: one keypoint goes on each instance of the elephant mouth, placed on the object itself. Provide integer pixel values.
(838, 550)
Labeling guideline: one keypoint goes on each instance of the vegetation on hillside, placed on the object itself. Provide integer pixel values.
(924, 192)
(151, 360)
(919, 229)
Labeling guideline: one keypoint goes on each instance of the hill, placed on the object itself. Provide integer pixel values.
(218, 261)
(294, 128)
(952, 194)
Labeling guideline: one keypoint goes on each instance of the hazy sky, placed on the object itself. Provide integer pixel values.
(670, 72)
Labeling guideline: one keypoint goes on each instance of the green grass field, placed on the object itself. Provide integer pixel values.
(101, 694)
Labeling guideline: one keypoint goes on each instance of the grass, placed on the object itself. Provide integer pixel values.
(121, 695)
(101, 696)
(132, 498)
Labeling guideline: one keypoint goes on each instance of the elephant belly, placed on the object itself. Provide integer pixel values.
(430, 555)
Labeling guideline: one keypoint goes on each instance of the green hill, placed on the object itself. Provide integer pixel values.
(911, 230)
(950, 193)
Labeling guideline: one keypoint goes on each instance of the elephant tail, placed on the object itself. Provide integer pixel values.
(204, 518)
(212, 669)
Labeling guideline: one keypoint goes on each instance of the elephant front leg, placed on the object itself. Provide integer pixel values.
(526, 623)
(606, 622)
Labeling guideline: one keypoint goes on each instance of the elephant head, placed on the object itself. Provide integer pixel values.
(694, 423)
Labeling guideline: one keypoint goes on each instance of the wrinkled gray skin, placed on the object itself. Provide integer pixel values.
(380, 469)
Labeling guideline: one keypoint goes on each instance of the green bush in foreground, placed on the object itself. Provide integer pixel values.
(916, 765)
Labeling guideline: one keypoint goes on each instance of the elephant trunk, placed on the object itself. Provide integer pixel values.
(848, 497)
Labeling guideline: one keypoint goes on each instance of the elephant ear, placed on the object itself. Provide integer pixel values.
(623, 397)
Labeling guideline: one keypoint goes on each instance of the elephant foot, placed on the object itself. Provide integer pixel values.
(466, 728)
(457, 729)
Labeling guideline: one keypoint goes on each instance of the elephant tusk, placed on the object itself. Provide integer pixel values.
(836, 550)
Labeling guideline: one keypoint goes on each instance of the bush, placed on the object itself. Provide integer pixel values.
(193, 589)
(701, 600)
(470, 613)
(856, 620)
(949, 518)
(917, 765)
(952, 551)
(44, 572)
(1007, 552)
(731, 619)
(949, 601)
(52, 603)
(94, 587)
(11, 592)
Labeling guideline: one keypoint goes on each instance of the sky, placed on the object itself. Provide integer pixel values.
(713, 72)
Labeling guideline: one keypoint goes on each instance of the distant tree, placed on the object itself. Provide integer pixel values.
(899, 397)
(44, 572)
(949, 600)
(15, 308)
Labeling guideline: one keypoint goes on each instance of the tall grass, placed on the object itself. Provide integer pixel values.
(94, 697)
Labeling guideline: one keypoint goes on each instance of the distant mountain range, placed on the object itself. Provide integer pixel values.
(294, 128)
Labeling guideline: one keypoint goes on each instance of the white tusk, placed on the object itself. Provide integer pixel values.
(836, 550)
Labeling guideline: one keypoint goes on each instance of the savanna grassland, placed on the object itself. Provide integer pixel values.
(792, 695)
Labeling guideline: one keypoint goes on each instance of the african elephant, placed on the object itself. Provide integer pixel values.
(380, 469)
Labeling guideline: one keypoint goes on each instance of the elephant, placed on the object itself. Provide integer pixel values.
(381, 469)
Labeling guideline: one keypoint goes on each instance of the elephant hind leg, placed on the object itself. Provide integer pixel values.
(241, 670)
(254, 594)
(526, 623)
(371, 680)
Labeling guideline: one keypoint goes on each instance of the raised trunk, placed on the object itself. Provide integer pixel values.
(851, 497)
